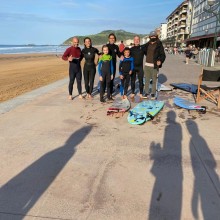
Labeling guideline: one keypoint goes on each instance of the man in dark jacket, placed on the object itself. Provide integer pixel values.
(155, 56)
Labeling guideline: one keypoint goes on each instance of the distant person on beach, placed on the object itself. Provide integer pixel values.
(74, 55)
(121, 46)
(114, 52)
(126, 67)
(89, 69)
(106, 70)
(155, 56)
(188, 54)
(137, 52)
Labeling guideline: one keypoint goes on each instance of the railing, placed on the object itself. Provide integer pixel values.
(206, 57)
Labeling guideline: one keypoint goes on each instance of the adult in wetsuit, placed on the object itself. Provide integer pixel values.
(137, 52)
(74, 56)
(114, 52)
(89, 69)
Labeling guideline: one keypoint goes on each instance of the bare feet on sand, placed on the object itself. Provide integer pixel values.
(132, 95)
(88, 96)
(70, 97)
(81, 97)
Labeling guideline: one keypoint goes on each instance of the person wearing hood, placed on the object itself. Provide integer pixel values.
(155, 56)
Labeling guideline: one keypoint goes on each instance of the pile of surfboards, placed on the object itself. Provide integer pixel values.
(119, 106)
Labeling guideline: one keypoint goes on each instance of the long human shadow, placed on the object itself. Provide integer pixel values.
(166, 199)
(206, 187)
(20, 193)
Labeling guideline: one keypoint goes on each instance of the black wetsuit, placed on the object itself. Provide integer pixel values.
(105, 68)
(89, 69)
(114, 52)
(137, 52)
(126, 65)
(74, 67)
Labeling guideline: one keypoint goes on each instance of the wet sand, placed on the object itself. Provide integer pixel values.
(20, 73)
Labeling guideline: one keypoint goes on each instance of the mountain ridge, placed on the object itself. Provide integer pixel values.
(102, 37)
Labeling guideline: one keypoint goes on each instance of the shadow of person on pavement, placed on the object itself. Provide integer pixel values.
(162, 78)
(206, 187)
(166, 199)
(20, 194)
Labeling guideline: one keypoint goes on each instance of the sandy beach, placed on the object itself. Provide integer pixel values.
(20, 73)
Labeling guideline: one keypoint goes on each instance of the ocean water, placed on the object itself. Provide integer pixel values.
(25, 49)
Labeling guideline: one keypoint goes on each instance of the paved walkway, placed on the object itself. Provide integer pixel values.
(64, 159)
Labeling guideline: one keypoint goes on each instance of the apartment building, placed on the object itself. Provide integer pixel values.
(178, 24)
(204, 24)
(162, 34)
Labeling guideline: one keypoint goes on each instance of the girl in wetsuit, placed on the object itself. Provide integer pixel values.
(106, 70)
(89, 69)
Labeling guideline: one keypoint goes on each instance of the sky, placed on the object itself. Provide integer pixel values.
(54, 21)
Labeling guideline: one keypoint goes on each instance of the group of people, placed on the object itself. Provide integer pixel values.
(130, 66)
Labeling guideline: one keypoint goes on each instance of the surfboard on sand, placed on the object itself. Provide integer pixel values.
(162, 87)
(186, 87)
(119, 106)
(144, 111)
(183, 103)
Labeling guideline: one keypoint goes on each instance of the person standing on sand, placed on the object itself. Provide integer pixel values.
(114, 52)
(155, 56)
(126, 67)
(89, 69)
(105, 68)
(74, 55)
(137, 52)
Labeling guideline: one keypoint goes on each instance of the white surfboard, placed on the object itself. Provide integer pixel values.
(162, 87)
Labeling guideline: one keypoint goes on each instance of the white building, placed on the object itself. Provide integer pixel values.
(178, 24)
(163, 31)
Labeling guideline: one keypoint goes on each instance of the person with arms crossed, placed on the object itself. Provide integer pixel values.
(155, 56)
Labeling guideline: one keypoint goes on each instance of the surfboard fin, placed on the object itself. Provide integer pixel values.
(150, 116)
(202, 110)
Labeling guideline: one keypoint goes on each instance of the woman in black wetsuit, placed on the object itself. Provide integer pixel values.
(89, 69)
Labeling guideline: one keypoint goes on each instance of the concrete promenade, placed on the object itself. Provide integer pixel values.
(62, 159)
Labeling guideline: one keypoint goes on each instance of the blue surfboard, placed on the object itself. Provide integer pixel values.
(183, 103)
(144, 111)
(186, 87)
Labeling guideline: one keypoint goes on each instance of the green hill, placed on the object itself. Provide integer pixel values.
(102, 37)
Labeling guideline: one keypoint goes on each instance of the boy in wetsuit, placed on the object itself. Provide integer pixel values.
(126, 66)
(105, 69)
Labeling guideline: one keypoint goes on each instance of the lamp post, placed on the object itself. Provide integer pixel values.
(217, 15)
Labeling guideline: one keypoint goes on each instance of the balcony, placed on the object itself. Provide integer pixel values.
(183, 18)
(181, 32)
(183, 11)
(176, 16)
(182, 25)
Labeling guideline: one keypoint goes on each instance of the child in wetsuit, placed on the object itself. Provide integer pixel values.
(126, 67)
(105, 69)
